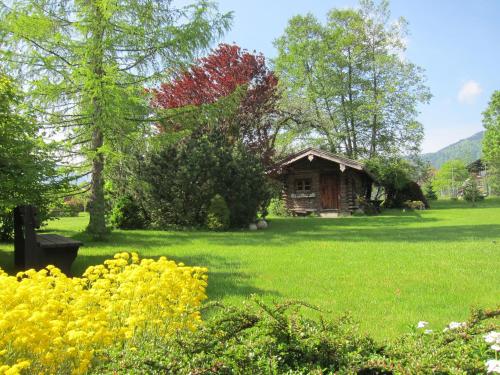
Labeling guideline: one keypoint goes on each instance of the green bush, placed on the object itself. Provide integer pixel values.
(218, 214)
(6, 226)
(183, 178)
(29, 172)
(397, 176)
(368, 207)
(458, 349)
(277, 207)
(471, 192)
(257, 338)
(253, 339)
(128, 214)
(430, 194)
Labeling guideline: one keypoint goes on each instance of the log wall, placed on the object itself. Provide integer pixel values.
(352, 183)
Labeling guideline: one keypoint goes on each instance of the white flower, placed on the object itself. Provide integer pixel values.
(455, 325)
(492, 337)
(495, 347)
(428, 331)
(422, 324)
(493, 365)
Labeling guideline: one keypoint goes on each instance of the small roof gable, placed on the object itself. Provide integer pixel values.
(320, 154)
(290, 159)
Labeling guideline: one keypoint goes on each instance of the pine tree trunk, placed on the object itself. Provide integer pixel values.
(97, 222)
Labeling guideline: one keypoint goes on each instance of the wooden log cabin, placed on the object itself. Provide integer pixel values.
(317, 181)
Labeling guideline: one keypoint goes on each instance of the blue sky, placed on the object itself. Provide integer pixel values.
(456, 42)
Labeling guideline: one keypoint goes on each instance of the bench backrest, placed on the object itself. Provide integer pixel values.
(26, 251)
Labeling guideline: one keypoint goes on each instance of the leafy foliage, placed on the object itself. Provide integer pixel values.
(491, 142)
(346, 83)
(183, 178)
(28, 173)
(471, 192)
(218, 76)
(6, 226)
(128, 213)
(255, 338)
(278, 339)
(367, 207)
(396, 175)
(277, 207)
(85, 64)
(459, 348)
(218, 214)
(430, 194)
(450, 177)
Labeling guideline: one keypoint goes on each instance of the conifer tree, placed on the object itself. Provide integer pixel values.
(430, 194)
(85, 63)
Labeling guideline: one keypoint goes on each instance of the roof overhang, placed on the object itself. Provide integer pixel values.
(312, 153)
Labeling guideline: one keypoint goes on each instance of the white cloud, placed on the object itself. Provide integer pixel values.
(469, 91)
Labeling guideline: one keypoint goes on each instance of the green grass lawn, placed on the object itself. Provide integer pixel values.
(388, 271)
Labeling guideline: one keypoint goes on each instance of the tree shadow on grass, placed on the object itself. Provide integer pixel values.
(446, 204)
(7, 261)
(289, 233)
(284, 232)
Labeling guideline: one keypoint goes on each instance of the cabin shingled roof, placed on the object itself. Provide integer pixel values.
(321, 154)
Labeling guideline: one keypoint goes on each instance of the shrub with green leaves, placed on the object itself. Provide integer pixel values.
(252, 339)
(367, 207)
(459, 348)
(277, 207)
(396, 176)
(28, 171)
(6, 226)
(184, 177)
(450, 177)
(430, 193)
(127, 213)
(218, 214)
(258, 338)
(471, 192)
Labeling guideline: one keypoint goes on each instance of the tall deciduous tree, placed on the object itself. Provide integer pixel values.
(450, 177)
(85, 63)
(28, 173)
(491, 141)
(229, 72)
(358, 92)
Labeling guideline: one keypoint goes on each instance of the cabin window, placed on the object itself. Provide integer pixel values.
(303, 185)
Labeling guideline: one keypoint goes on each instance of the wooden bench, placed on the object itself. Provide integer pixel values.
(32, 250)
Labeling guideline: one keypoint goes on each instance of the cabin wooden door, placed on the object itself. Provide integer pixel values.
(329, 191)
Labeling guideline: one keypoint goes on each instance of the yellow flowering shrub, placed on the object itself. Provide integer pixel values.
(51, 323)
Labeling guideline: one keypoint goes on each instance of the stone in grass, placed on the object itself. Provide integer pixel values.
(262, 224)
(252, 226)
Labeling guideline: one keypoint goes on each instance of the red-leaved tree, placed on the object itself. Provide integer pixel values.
(217, 76)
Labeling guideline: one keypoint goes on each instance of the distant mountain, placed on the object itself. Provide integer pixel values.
(468, 150)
